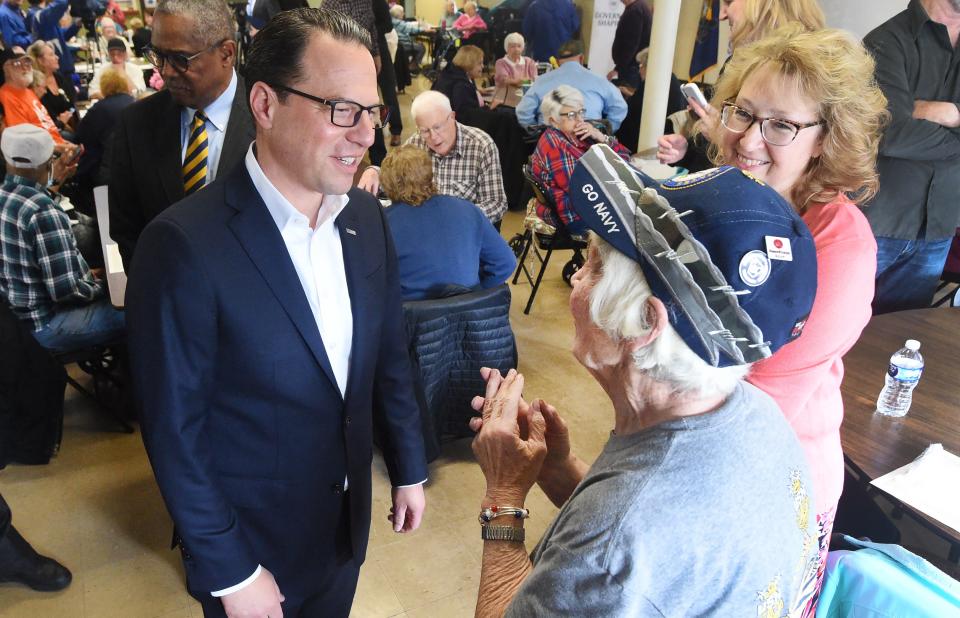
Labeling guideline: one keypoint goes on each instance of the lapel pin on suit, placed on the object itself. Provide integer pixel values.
(351, 232)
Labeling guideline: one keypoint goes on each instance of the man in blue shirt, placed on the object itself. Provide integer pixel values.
(601, 98)
(12, 25)
(548, 24)
(43, 21)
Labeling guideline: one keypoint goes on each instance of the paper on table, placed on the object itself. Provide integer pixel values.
(928, 484)
(114, 261)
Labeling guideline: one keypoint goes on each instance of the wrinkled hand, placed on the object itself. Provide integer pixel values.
(556, 434)
(60, 170)
(671, 148)
(408, 506)
(370, 180)
(65, 117)
(510, 462)
(943, 113)
(585, 130)
(259, 599)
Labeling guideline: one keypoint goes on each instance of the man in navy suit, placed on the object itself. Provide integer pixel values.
(267, 343)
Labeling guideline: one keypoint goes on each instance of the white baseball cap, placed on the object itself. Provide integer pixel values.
(26, 145)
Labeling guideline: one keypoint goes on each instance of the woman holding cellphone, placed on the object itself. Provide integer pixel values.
(801, 112)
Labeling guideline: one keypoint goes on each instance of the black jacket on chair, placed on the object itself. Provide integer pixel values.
(449, 340)
(32, 384)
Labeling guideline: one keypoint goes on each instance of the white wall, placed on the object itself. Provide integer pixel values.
(860, 16)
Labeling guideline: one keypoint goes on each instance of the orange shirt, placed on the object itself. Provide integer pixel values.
(21, 106)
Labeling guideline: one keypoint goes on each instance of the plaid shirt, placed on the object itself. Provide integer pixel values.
(471, 170)
(362, 12)
(40, 265)
(553, 162)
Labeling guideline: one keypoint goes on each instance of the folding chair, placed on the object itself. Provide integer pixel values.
(548, 243)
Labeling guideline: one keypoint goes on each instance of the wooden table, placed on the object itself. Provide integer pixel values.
(875, 444)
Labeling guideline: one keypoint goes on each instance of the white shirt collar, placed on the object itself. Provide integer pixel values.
(281, 210)
(218, 112)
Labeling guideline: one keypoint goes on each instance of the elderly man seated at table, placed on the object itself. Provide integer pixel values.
(466, 163)
(117, 50)
(412, 51)
(602, 99)
(462, 249)
(699, 502)
(565, 140)
(44, 278)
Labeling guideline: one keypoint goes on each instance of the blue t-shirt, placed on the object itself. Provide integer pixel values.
(447, 240)
(601, 98)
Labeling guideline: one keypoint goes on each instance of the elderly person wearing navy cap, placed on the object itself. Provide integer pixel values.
(700, 501)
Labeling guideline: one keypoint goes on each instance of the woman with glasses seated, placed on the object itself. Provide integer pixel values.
(801, 112)
(460, 247)
(564, 141)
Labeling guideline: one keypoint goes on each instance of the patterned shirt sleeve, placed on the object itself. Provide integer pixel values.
(491, 196)
(65, 273)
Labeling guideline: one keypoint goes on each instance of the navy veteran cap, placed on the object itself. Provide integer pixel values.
(732, 261)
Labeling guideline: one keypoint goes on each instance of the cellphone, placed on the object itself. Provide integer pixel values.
(76, 155)
(692, 91)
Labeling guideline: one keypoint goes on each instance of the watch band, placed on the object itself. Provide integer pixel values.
(503, 533)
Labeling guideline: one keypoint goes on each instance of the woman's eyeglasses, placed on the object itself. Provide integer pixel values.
(574, 115)
(774, 131)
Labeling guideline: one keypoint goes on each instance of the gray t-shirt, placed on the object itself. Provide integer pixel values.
(705, 515)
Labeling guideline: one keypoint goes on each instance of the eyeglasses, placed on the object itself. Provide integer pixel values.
(179, 62)
(425, 133)
(574, 115)
(774, 131)
(22, 63)
(344, 112)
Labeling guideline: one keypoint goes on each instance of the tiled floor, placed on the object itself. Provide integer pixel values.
(96, 507)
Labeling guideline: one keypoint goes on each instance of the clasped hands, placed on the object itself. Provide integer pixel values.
(516, 442)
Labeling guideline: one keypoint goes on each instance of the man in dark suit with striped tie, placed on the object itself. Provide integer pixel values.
(174, 143)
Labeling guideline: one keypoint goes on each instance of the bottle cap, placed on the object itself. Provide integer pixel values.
(912, 344)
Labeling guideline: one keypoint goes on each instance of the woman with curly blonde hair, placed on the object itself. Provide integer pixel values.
(801, 112)
(750, 20)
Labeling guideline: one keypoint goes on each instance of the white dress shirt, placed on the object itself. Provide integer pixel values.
(218, 116)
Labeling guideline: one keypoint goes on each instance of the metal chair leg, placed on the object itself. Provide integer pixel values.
(521, 262)
(536, 286)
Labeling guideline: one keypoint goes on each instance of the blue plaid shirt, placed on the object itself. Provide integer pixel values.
(40, 265)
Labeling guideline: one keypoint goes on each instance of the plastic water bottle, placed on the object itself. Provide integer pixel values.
(906, 367)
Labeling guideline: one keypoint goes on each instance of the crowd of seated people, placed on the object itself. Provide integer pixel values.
(567, 137)
(464, 250)
(413, 51)
(796, 119)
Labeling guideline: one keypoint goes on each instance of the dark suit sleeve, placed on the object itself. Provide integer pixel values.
(395, 407)
(126, 215)
(172, 330)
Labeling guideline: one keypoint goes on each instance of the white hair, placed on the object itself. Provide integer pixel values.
(469, 3)
(429, 99)
(618, 305)
(396, 11)
(559, 97)
(513, 37)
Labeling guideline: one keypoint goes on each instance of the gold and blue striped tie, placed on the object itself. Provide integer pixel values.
(195, 161)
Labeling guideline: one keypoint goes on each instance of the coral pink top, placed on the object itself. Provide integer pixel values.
(468, 25)
(804, 376)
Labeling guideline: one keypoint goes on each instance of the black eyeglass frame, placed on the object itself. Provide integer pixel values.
(159, 58)
(797, 126)
(383, 111)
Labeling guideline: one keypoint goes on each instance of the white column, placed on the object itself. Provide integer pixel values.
(663, 38)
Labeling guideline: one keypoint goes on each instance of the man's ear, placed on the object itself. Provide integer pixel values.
(657, 319)
(263, 104)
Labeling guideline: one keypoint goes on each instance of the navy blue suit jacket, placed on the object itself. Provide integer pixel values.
(246, 430)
